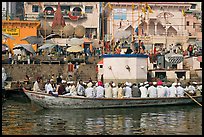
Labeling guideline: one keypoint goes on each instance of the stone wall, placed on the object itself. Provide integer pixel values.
(18, 72)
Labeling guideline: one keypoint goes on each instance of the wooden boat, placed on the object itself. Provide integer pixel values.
(70, 102)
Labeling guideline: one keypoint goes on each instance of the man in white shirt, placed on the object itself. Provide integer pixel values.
(108, 90)
(128, 90)
(36, 85)
(100, 90)
(89, 90)
(172, 90)
(143, 91)
(180, 90)
(152, 90)
(48, 87)
(115, 91)
(80, 89)
(160, 90)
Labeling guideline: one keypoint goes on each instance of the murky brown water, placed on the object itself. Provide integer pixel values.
(23, 118)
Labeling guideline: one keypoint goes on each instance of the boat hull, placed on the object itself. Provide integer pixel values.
(69, 102)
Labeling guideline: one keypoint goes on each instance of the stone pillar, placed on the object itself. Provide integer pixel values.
(155, 28)
(147, 28)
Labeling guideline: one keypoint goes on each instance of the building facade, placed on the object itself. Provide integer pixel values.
(163, 25)
(12, 11)
(74, 13)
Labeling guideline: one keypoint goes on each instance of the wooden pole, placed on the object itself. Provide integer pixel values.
(102, 26)
(132, 21)
(193, 99)
(112, 33)
(138, 20)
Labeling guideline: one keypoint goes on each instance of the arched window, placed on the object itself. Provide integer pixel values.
(49, 10)
(76, 11)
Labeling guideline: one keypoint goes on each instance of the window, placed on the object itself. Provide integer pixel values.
(193, 25)
(101, 66)
(65, 9)
(89, 9)
(187, 23)
(193, 6)
(35, 8)
(174, 66)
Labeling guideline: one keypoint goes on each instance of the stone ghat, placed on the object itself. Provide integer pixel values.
(18, 72)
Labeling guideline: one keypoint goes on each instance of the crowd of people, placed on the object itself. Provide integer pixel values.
(121, 90)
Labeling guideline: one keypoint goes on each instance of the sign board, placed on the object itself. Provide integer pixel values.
(12, 31)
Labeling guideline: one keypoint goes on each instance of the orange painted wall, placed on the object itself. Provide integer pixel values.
(27, 28)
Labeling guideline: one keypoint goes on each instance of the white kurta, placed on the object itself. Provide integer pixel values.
(49, 88)
(166, 91)
(191, 89)
(160, 91)
(143, 92)
(80, 90)
(100, 92)
(172, 91)
(73, 91)
(115, 92)
(89, 92)
(36, 87)
(180, 91)
(152, 91)
(128, 92)
(108, 92)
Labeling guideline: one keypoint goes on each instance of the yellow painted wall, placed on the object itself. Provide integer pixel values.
(22, 29)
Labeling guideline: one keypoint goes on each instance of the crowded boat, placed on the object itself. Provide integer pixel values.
(98, 89)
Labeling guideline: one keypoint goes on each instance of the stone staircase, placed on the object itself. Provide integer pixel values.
(194, 76)
(87, 71)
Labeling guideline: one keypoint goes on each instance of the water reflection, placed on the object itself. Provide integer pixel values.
(26, 118)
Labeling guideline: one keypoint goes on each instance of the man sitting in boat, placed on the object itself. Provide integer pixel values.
(168, 90)
(160, 89)
(108, 90)
(115, 90)
(61, 88)
(120, 90)
(89, 90)
(100, 90)
(68, 87)
(191, 88)
(73, 89)
(172, 90)
(180, 90)
(128, 90)
(36, 85)
(198, 90)
(49, 86)
(135, 90)
(152, 90)
(80, 88)
(143, 90)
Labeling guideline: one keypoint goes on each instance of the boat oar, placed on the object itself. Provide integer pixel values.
(193, 99)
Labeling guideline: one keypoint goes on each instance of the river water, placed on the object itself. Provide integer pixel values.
(22, 117)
